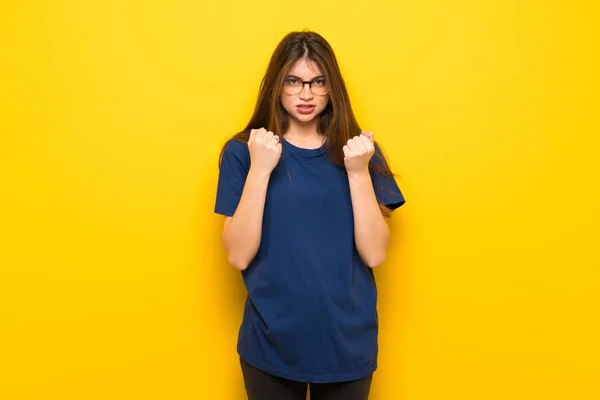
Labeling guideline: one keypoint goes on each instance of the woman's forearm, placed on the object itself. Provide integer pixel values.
(241, 236)
(371, 231)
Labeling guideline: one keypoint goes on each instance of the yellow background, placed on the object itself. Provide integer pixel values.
(113, 283)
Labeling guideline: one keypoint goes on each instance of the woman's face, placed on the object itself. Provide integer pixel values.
(304, 106)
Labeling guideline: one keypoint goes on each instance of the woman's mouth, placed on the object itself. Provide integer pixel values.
(306, 109)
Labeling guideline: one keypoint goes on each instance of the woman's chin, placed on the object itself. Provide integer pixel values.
(303, 118)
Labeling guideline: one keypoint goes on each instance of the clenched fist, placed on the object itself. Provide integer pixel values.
(358, 151)
(265, 150)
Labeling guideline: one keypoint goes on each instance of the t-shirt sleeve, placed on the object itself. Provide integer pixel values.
(386, 189)
(233, 170)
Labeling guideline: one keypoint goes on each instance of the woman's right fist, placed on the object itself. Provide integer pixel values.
(265, 150)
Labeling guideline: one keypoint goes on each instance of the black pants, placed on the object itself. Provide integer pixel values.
(263, 386)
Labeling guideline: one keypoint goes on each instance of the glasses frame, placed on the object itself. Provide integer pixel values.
(309, 86)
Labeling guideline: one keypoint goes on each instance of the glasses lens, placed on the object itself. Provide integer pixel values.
(319, 87)
(292, 86)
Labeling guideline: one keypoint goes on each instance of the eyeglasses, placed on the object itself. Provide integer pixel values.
(292, 85)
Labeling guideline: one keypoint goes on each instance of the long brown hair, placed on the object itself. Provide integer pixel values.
(337, 121)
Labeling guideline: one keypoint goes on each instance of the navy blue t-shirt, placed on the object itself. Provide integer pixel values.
(310, 314)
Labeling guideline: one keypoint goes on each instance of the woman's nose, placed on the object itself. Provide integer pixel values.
(306, 93)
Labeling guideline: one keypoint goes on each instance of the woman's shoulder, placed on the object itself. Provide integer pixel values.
(379, 158)
(237, 148)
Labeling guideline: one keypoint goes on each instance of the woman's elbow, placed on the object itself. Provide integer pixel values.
(234, 257)
(375, 260)
(237, 263)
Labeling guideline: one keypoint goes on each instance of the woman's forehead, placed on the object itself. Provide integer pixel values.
(305, 68)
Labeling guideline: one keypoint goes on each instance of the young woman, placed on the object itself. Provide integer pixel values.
(304, 193)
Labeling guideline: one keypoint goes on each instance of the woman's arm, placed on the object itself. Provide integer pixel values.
(371, 231)
(242, 232)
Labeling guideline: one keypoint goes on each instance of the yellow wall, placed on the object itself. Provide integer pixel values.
(113, 284)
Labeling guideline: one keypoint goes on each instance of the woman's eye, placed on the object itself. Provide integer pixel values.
(291, 81)
(320, 82)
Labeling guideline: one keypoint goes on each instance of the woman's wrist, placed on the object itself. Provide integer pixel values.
(258, 174)
(361, 173)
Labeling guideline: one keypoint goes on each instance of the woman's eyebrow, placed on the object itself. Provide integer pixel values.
(295, 76)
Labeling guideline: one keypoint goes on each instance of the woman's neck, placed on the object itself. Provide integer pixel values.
(303, 132)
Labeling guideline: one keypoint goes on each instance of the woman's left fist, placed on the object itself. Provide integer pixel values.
(358, 151)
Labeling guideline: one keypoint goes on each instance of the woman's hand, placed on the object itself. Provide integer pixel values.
(265, 151)
(358, 151)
